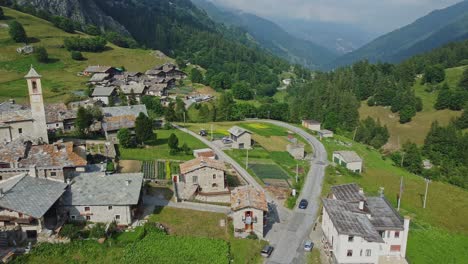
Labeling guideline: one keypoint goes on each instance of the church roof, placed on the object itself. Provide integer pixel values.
(32, 73)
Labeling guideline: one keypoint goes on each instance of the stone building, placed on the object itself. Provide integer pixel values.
(311, 124)
(118, 117)
(97, 197)
(59, 117)
(203, 179)
(349, 160)
(51, 161)
(23, 122)
(241, 138)
(360, 229)
(29, 205)
(297, 150)
(249, 208)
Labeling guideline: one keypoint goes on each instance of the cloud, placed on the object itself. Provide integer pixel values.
(374, 15)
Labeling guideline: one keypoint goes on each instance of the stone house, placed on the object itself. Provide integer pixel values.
(25, 122)
(51, 161)
(203, 179)
(29, 205)
(241, 138)
(99, 78)
(311, 124)
(91, 70)
(97, 197)
(138, 89)
(249, 209)
(297, 150)
(104, 94)
(167, 70)
(360, 229)
(118, 117)
(59, 117)
(325, 133)
(349, 160)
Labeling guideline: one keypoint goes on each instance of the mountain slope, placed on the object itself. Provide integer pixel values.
(429, 32)
(271, 36)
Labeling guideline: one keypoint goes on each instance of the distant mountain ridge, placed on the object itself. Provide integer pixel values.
(431, 31)
(271, 36)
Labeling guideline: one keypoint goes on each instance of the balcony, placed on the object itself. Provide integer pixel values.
(249, 220)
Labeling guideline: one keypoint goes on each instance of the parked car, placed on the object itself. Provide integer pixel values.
(303, 204)
(308, 245)
(227, 140)
(203, 133)
(266, 251)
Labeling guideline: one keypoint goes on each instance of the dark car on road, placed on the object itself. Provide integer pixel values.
(303, 204)
(266, 251)
(203, 133)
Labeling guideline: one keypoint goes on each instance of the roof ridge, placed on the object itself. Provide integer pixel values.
(20, 176)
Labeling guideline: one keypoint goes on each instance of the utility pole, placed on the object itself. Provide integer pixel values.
(184, 117)
(247, 160)
(402, 159)
(297, 173)
(425, 194)
(400, 193)
(211, 132)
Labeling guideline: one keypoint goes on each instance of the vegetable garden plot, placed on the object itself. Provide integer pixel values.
(149, 169)
(268, 171)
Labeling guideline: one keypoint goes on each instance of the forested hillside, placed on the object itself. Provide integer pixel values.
(271, 36)
(437, 28)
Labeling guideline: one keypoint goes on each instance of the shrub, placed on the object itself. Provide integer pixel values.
(76, 55)
(41, 54)
(96, 44)
(2, 16)
(17, 32)
(110, 166)
(97, 231)
(71, 231)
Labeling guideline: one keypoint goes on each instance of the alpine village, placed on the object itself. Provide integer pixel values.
(157, 131)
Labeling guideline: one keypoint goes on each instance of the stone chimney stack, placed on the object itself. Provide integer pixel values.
(33, 171)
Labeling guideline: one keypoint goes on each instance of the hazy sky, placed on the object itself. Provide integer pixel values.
(378, 16)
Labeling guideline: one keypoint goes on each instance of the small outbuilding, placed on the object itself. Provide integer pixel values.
(204, 153)
(103, 94)
(241, 138)
(311, 124)
(249, 208)
(297, 150)
(349, 160)
(325, 133)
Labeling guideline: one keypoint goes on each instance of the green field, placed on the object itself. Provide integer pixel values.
(417, 129)
(160, 150)
(60, 74)
(268, 171)
(446, 210)
(264, 129)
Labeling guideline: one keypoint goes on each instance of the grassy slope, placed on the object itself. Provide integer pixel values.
(439, 230)
(60, 73)
(417, 129)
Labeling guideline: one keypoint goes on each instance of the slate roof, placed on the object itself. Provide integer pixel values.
(311, 122)
(118, 117)
(103, 91)
(16, 115)
(58, 113)
(349, 221)
(101, 189)
(99, 77)
(30, 196)
(348, 192)
(238, 131)
(248, 197)
(201, 162)
(138, 88)
(32, 73)
(97, 69)
(349, 156)
(384, 216)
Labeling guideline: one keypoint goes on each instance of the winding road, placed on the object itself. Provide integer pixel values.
(292, 227)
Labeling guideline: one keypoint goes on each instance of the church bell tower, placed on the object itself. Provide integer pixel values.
(37, 105)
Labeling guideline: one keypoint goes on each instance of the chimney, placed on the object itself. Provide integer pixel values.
(361, 191)
(12, 101)
(33, 171)
(127, 182)
(56, 148)
(361, 205)
(381, 192)
(68, 181)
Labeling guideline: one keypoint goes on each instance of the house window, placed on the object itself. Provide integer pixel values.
(53, 174)
(117, 217)
(397, 234)
(20, 215)
(395, 248)
(73, 217)
(88, 218)
(214, 185)
(57, 125)
(20, 131)
(195, 179)
(360, 254)
(214, 176)
(109, 207)
(382, 234)
(350, 238)
(350, 253)
(87, 209)
(368, 252)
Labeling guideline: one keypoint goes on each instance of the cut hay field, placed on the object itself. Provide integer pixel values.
(60, 74)
(417, 129)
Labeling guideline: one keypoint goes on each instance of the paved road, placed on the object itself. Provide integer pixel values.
(289, 248)
(292, 227)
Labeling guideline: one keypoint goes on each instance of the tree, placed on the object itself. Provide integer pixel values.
(84, 119)
(241, 90)
(173, 143)
(196, 76)
(17, 32)
(407, 113)
(463, 84)
(412, 159)
(224, 107)
(41, 54)
(434, 74)
(143, 128)
(92, 30)
(132, 98)
(153, 104)
(76, 55)
(2, 15)
(462, 121)
(125, 138)
(186, 149)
